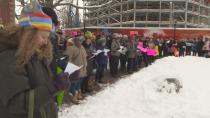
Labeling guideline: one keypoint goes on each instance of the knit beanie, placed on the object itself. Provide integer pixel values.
(101, 40)
(88, 34)
(33, 16)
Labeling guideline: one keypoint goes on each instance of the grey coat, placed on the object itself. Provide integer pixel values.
(115, 46)
(131, 50)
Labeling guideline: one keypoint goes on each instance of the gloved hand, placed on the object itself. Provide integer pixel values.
(62, 82)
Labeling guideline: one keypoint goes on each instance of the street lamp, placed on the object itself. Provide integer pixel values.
(84, 20)
(84, 17)
(175, 22)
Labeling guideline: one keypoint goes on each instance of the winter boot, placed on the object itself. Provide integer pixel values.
(79, 96)
(74, 99)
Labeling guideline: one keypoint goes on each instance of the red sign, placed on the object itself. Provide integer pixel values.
(134, 33)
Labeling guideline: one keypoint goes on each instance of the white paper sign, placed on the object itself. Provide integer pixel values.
(122, 50)
(71, 68)
(100, 51)
(97, 52)
(106, 51)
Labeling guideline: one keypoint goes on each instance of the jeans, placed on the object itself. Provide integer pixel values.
(138, 61)
(76, 86)
(145, 59)
(100, 71)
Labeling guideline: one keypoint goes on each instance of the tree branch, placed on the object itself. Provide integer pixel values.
(86, 7)
(60, 10)
(57, 3)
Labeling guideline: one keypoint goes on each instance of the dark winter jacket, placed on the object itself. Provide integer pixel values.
(102, 58)
(200, 45)
(90, 59)
(181, 46)
(15, 85)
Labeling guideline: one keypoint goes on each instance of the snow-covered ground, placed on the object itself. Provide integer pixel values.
(137, 96)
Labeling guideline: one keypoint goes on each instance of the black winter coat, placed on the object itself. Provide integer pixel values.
(15, 86)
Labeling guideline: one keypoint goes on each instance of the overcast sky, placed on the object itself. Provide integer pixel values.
(18, 8)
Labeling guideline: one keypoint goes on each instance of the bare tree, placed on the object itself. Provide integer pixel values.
(51, 3)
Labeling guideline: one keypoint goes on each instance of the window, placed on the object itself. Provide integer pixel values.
(141, 5)
(140, 25)
(165, 5)
(165, 16)
(153, 5)
(140, 16)
(153, 16)
(153, 25)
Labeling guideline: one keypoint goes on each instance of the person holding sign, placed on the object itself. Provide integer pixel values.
(77, 56)
(101, 59)
(151, 51)
(27, 86)
(123, 51)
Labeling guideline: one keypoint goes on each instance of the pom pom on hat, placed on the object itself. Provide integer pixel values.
(88, 34)
(33, 16)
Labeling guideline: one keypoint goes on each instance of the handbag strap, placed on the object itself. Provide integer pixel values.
(31, 104)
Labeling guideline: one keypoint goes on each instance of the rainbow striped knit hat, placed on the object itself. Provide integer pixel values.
(33, 16)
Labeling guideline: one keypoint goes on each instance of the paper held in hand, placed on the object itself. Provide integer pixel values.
(100, 51)
(122, 50)
(71, 68)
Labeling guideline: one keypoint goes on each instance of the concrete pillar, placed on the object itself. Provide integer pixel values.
(134, 17)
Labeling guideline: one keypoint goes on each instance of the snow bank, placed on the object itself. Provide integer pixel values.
(137, 95)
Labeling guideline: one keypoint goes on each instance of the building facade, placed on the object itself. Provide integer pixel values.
(7, 12)
(149, 13)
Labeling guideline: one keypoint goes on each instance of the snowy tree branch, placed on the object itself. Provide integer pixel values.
(85, 7)
(57, 3)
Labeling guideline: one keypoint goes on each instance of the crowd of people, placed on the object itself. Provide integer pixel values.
(122, 54)
(34, 56)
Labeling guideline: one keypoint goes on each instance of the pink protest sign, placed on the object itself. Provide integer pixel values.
(140, 47)
(151, 52)
(143, 49)
(140, 44)
(73, 34)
